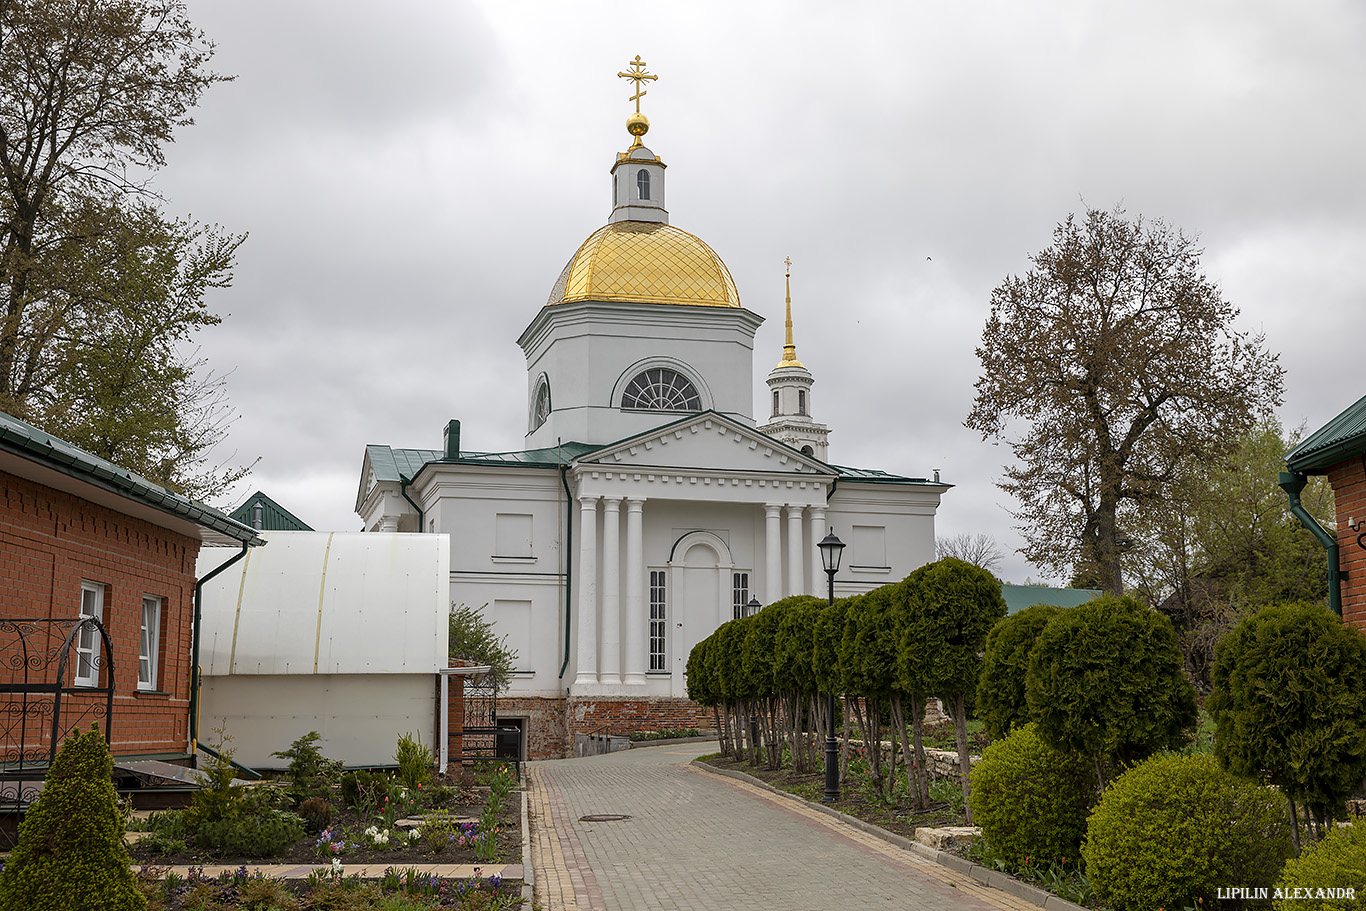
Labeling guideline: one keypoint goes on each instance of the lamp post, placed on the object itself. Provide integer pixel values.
(831, 548)
(752, 608)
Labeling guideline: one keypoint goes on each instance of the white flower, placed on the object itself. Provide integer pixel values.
(414, 835)
(336, 866)
(372, 832)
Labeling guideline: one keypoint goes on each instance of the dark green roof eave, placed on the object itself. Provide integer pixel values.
(52, 452)
(1341, 438)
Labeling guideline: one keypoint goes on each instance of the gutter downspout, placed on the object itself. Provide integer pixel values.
(403, 489)
(568, 561)
(1292, 484)
(195, 745)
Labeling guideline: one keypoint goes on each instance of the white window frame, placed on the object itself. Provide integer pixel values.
(739, 594)
(88, 639)
(149, 643)
(659, 622)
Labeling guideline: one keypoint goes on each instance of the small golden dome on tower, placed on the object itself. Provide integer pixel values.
(637, 125)
(645, 262)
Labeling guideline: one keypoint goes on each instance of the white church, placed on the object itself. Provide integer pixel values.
(647, 504)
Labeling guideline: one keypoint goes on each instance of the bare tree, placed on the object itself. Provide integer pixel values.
(979, 550)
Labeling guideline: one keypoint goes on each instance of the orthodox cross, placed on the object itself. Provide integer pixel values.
(788, 262)
(637, 75)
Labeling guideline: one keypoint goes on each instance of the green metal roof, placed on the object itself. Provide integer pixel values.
(274, 517)
(400, 464)
(1018, 597)
(1341, 438)
(880, 477)
(52, 452)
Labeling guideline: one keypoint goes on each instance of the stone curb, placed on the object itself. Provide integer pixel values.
(640, 744)
(528, 872)
(994, 878)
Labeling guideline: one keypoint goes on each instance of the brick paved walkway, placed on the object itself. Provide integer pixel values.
(701, 841)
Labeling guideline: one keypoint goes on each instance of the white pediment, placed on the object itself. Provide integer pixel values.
(708, 442)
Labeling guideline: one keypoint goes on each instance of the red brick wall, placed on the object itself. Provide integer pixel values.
(1349, 494)
(51, 541)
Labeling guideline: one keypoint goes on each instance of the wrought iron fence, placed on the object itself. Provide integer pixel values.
(54, 676)
(481, 718)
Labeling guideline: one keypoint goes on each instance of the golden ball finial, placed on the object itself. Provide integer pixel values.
(637, 124)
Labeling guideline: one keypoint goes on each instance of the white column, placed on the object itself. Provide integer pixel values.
(796, 552)
(773, 541)
(588, 592)
(609, 661)
(634, 627)
(818, 530)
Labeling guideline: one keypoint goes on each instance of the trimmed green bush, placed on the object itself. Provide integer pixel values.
(1337, 861)
(415, 761)
(1105, 679)
(1030, 800)
(71, 852)
(1001, 703)
(1176, 828)
(1289, 703)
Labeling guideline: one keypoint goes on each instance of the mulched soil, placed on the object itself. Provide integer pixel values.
(902, 820)
(398, 854)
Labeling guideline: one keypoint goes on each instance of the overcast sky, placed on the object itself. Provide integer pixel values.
(415, 174)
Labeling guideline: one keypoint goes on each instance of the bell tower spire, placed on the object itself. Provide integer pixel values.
(790, 387)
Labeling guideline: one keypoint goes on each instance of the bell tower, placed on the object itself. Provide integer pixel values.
(789, 386)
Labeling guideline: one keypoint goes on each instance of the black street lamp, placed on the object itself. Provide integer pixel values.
(752, 608)
(831, 547)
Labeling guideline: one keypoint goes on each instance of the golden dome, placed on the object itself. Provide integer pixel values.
(645, 262)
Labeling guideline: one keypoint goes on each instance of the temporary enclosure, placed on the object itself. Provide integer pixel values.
(339, 633)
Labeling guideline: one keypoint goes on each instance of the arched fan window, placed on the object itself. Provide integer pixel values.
(541, 410)
(643, 183)
(661, 389)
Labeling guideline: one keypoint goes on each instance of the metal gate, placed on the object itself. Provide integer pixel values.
(40, 699)
(481, 718)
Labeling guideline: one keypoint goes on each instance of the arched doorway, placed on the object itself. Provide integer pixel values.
(699, 573)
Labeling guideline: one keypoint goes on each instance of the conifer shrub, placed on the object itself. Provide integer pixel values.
(415, 761)
(310, 772)
(71, 852)
(1106, 680)
(1337, 862)
(1172, 830)
(1030, 800)
(1001, 703)
(1289, 704)
(316, 813)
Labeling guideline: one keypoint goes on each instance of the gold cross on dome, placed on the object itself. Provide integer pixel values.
(637, 75)
(788, 262)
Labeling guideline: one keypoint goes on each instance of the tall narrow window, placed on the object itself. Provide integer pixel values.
(659, 625)
(643, 183)
(88, 639)
(801, 401)
(739, 595)
(149, 643)
(541, 409)
(775, 403)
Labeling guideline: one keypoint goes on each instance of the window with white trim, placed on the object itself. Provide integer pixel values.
(661, 389)
(149, 642)
(775, 403)
(88, 639)
(643, 183)
(659, 625)
(801, 401)
(541, 410)
(739, 595)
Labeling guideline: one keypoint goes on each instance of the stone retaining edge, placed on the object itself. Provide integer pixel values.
(639, 744)
(994, 878)
(528, 871)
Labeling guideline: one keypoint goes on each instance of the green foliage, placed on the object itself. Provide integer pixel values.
(1105, 680)
(1170, 831)
(1336, 861)
(310, 772)
(218, 797)
(103, 293)
(1001, 702)
(1289, 703)
(868, 647)
(826, 639)
(953, 606)
(473, 639)
(415, 761)
(362, 789)
(255, 828)
(1109, 367)
(71, 852)
(700, 674)
(756, 654)
(316, 813)
(1031, 800)
(795, 672)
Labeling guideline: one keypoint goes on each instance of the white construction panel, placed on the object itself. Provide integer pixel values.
(359, 717)
(328, 603)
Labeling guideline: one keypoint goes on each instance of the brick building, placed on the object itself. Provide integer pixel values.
(80, 536)
(1338, 450)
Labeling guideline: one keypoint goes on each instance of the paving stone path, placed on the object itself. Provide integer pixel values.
(697, 840)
